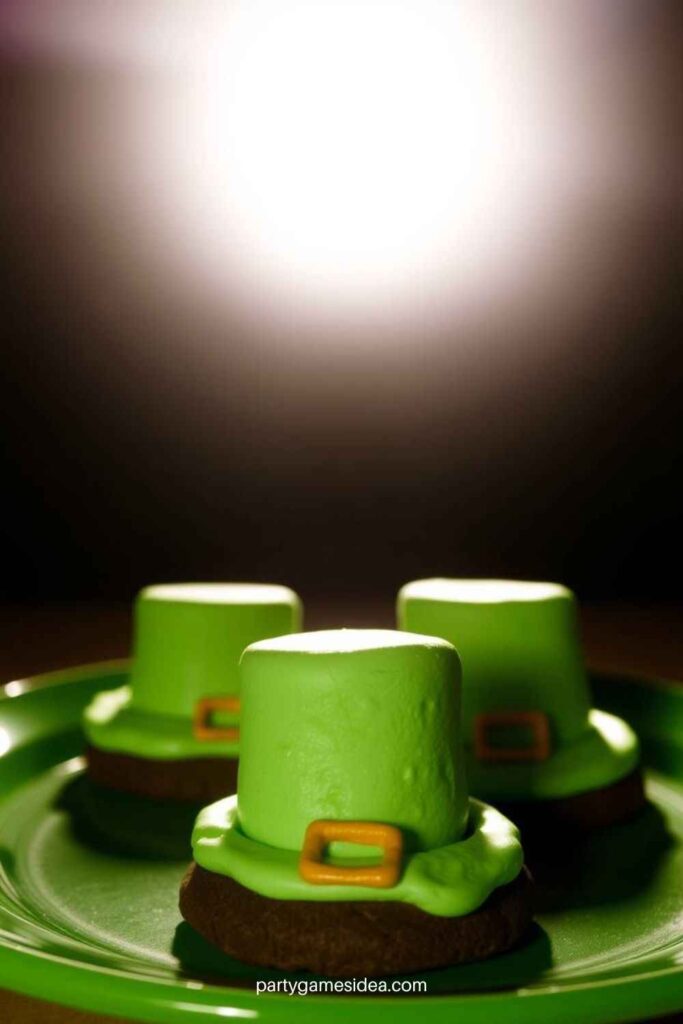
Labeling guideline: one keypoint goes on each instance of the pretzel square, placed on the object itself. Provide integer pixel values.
(204, 710)
(321, 833)
(536, 720)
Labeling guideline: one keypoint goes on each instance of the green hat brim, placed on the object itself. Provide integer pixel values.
(450, 881)
(111, 722)
(606, 752)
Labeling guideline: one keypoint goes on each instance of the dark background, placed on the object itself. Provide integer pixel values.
(154, 435)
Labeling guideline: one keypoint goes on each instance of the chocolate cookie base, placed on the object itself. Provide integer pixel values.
(585, 812)
(347, 939)
(197, 779)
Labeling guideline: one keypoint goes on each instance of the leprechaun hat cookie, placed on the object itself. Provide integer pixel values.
(173, 731)
(351, 847)
(534, 744)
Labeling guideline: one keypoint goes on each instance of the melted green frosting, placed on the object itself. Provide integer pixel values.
(356, 725)
(520, 651)
(448, 881)
(188, 641)
(112, 722)
(351, 724)
(606, 751)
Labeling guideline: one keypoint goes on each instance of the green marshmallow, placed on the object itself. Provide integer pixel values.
(520, 652)
(356, 725)
(188, 641)
(351, 724)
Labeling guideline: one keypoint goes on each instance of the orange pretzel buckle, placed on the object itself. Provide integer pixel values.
(540, 728)
(321, 833)
(204, 710)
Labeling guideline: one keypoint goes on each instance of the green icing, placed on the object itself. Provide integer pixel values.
(188, 643)
(351, 725)
(189, 639)
(449, 881)
(520, 651)
(356, 725)
(606, 751)
(111, 722)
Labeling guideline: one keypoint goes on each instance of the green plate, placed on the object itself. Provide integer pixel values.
(89, 918)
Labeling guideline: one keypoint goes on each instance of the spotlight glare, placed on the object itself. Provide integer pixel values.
(353, 153)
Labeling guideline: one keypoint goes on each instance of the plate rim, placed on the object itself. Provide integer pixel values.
(171, 1001)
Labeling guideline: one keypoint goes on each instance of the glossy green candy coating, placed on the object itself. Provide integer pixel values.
(448, 881)
(99, 931)
(520, 651)
(517, 642)
(356, 725)
(351, 724)
(112, 723)
(188, 642)
(189, 639)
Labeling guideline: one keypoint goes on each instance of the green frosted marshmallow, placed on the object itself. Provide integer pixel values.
(356, 726)
(517, 642)
(520, 651)
(351, 724)
(188, 641)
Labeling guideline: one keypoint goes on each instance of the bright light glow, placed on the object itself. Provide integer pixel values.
(431, 164)
(217, 1011)
(220, 593)
(614, 730)
(346, 153)
(15, 688)
(482, 591)
(5, 741)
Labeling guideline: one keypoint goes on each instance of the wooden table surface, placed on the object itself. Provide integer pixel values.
(645, 640)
